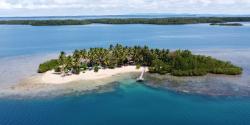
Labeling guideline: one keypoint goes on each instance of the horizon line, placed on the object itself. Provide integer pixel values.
(138, 14)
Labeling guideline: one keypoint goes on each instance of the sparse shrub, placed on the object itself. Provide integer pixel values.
(96, 69)
(138, 66)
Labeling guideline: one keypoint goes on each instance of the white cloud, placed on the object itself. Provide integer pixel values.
(83, 7)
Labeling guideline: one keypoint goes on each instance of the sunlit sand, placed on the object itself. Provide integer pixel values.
(51, 77)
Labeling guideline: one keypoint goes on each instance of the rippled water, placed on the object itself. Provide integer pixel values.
(128, 103)
(22, 48)
(213, 99)
(20, 40)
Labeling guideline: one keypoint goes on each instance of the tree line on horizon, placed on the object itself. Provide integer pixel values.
(161, 61)
(157, 21)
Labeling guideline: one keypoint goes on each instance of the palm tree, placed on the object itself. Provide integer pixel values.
(62, 61)
(69, 64)
(76, 62)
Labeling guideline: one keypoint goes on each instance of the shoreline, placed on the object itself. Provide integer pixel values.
(53, 85)
(51, 77)
(35, 86)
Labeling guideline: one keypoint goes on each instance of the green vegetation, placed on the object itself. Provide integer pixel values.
(158, 21)
(226, 24)
(158, 66)
(45, 22)
(49, 65)
(138, 66)
(162, 61)
(96, 68)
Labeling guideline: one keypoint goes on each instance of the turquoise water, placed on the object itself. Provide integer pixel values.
(127, 104)
(23, 47)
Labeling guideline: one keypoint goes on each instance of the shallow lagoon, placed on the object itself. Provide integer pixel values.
(23, 47)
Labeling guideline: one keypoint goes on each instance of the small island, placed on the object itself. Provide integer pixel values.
(226, 24)
(94, 63)
(153, 21)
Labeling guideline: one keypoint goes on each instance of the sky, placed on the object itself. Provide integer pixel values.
(117, 7)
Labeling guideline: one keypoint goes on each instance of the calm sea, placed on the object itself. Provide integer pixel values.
(20, 40)
(22, 48)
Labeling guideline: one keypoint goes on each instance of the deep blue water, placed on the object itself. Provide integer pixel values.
(128, 103)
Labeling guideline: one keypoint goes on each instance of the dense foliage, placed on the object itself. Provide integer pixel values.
(171, 21)
(49, 65)
(162, 61)
(226, 24)
(158, 21)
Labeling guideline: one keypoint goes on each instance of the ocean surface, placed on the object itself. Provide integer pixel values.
(218, 100)
(129, 103)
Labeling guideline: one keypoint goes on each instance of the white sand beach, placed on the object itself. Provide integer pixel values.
(53, 84)
(51, 77)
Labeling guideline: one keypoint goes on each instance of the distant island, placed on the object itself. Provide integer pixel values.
(226, 24)
(122, 59)
(156, 21)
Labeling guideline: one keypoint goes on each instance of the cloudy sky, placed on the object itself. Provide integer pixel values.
(112, 7)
